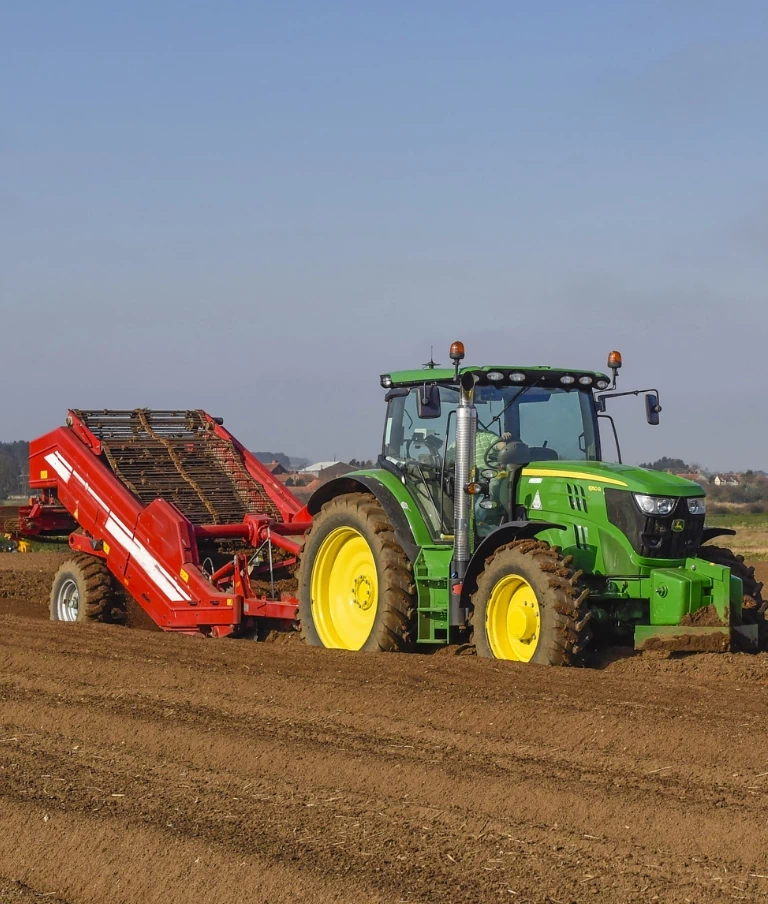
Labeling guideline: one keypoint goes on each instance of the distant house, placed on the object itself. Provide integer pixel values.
(276, 468)
(726, 480)
(303, 493)
(694, 476)
(327, 470)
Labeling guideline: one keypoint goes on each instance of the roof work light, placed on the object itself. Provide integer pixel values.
(457, 355)
(614, 362)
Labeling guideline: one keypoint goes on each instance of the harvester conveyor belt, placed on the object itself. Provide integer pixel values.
(177, 455)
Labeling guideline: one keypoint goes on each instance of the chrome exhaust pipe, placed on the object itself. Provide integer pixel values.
(466, 428)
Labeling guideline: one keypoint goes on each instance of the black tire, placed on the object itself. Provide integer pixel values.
(84, 590)
(564, 632)
(753, 605)
(394, 625)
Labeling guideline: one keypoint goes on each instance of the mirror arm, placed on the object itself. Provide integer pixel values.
(616, 395)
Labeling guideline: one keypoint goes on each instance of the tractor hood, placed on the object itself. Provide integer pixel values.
(620, 477)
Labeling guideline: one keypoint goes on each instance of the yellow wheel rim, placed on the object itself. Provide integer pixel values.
(513, 619)
(345, 590)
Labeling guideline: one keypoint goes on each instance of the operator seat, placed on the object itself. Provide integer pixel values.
(516, 452)
(543, 453)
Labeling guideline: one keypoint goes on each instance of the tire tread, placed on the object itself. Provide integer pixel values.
(570, 634)
(395, 627)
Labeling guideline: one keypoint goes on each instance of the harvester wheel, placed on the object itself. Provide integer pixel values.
(530, 607)
(84, 590)
(356, 589)
(753, 605)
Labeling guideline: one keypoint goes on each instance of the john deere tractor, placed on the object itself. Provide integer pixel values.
(491, 519)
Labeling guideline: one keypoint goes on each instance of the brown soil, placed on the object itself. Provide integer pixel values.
(688, 643)
(140, 767)
(706, 617)
(28, 577)
(25, 587)
(761, 572)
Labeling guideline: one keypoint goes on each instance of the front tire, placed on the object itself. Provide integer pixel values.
(83, 590)
(529, 606)
(356, 589)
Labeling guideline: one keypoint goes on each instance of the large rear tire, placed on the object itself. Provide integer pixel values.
(84, 590)
(356, 589)
(530, 607)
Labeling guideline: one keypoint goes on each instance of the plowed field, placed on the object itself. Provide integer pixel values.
(141, 767)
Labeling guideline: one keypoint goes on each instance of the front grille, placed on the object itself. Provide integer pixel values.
(652, 536)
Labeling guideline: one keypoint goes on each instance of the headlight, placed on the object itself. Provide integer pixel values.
(655, 505)
(495, 375)
(697, 505)
(602, 384)
(385, 380)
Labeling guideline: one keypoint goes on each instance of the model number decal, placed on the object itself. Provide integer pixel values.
(595, 489)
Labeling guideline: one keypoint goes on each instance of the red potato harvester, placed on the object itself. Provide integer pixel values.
(170, 506)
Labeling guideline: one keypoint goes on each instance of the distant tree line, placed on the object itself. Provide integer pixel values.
(14, 468)
(671, 464)
(359, 464)
(750, 492)
(300, 480)
(287, 461)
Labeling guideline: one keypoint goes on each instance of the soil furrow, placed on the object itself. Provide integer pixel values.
(136, 766)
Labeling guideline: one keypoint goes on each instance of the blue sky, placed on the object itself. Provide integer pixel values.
(258, 208)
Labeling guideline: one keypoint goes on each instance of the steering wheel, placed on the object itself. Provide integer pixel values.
(492, 453)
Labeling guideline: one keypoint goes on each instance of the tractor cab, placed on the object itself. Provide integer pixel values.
(524, 415)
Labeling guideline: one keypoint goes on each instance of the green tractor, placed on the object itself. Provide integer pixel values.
(491, 519)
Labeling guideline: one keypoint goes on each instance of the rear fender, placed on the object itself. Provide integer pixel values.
(366, 483)
(512, 530)
(710, 533)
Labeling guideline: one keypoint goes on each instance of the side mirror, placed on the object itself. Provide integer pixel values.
(428, 401)
(652, 408)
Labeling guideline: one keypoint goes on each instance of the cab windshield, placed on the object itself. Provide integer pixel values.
(546, 424)
(515, 425)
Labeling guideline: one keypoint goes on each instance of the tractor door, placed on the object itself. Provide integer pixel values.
(420, 440)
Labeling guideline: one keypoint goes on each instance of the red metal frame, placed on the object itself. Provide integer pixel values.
(44, 517)
(153, 549)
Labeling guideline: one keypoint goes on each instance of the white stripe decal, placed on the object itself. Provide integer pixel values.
(123, 536)
(91, 492)
(58, 466)
(154, 571)
(63, 462)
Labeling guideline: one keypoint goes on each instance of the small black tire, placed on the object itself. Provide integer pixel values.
(556, 626)
(84, 590)
(393, 625)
